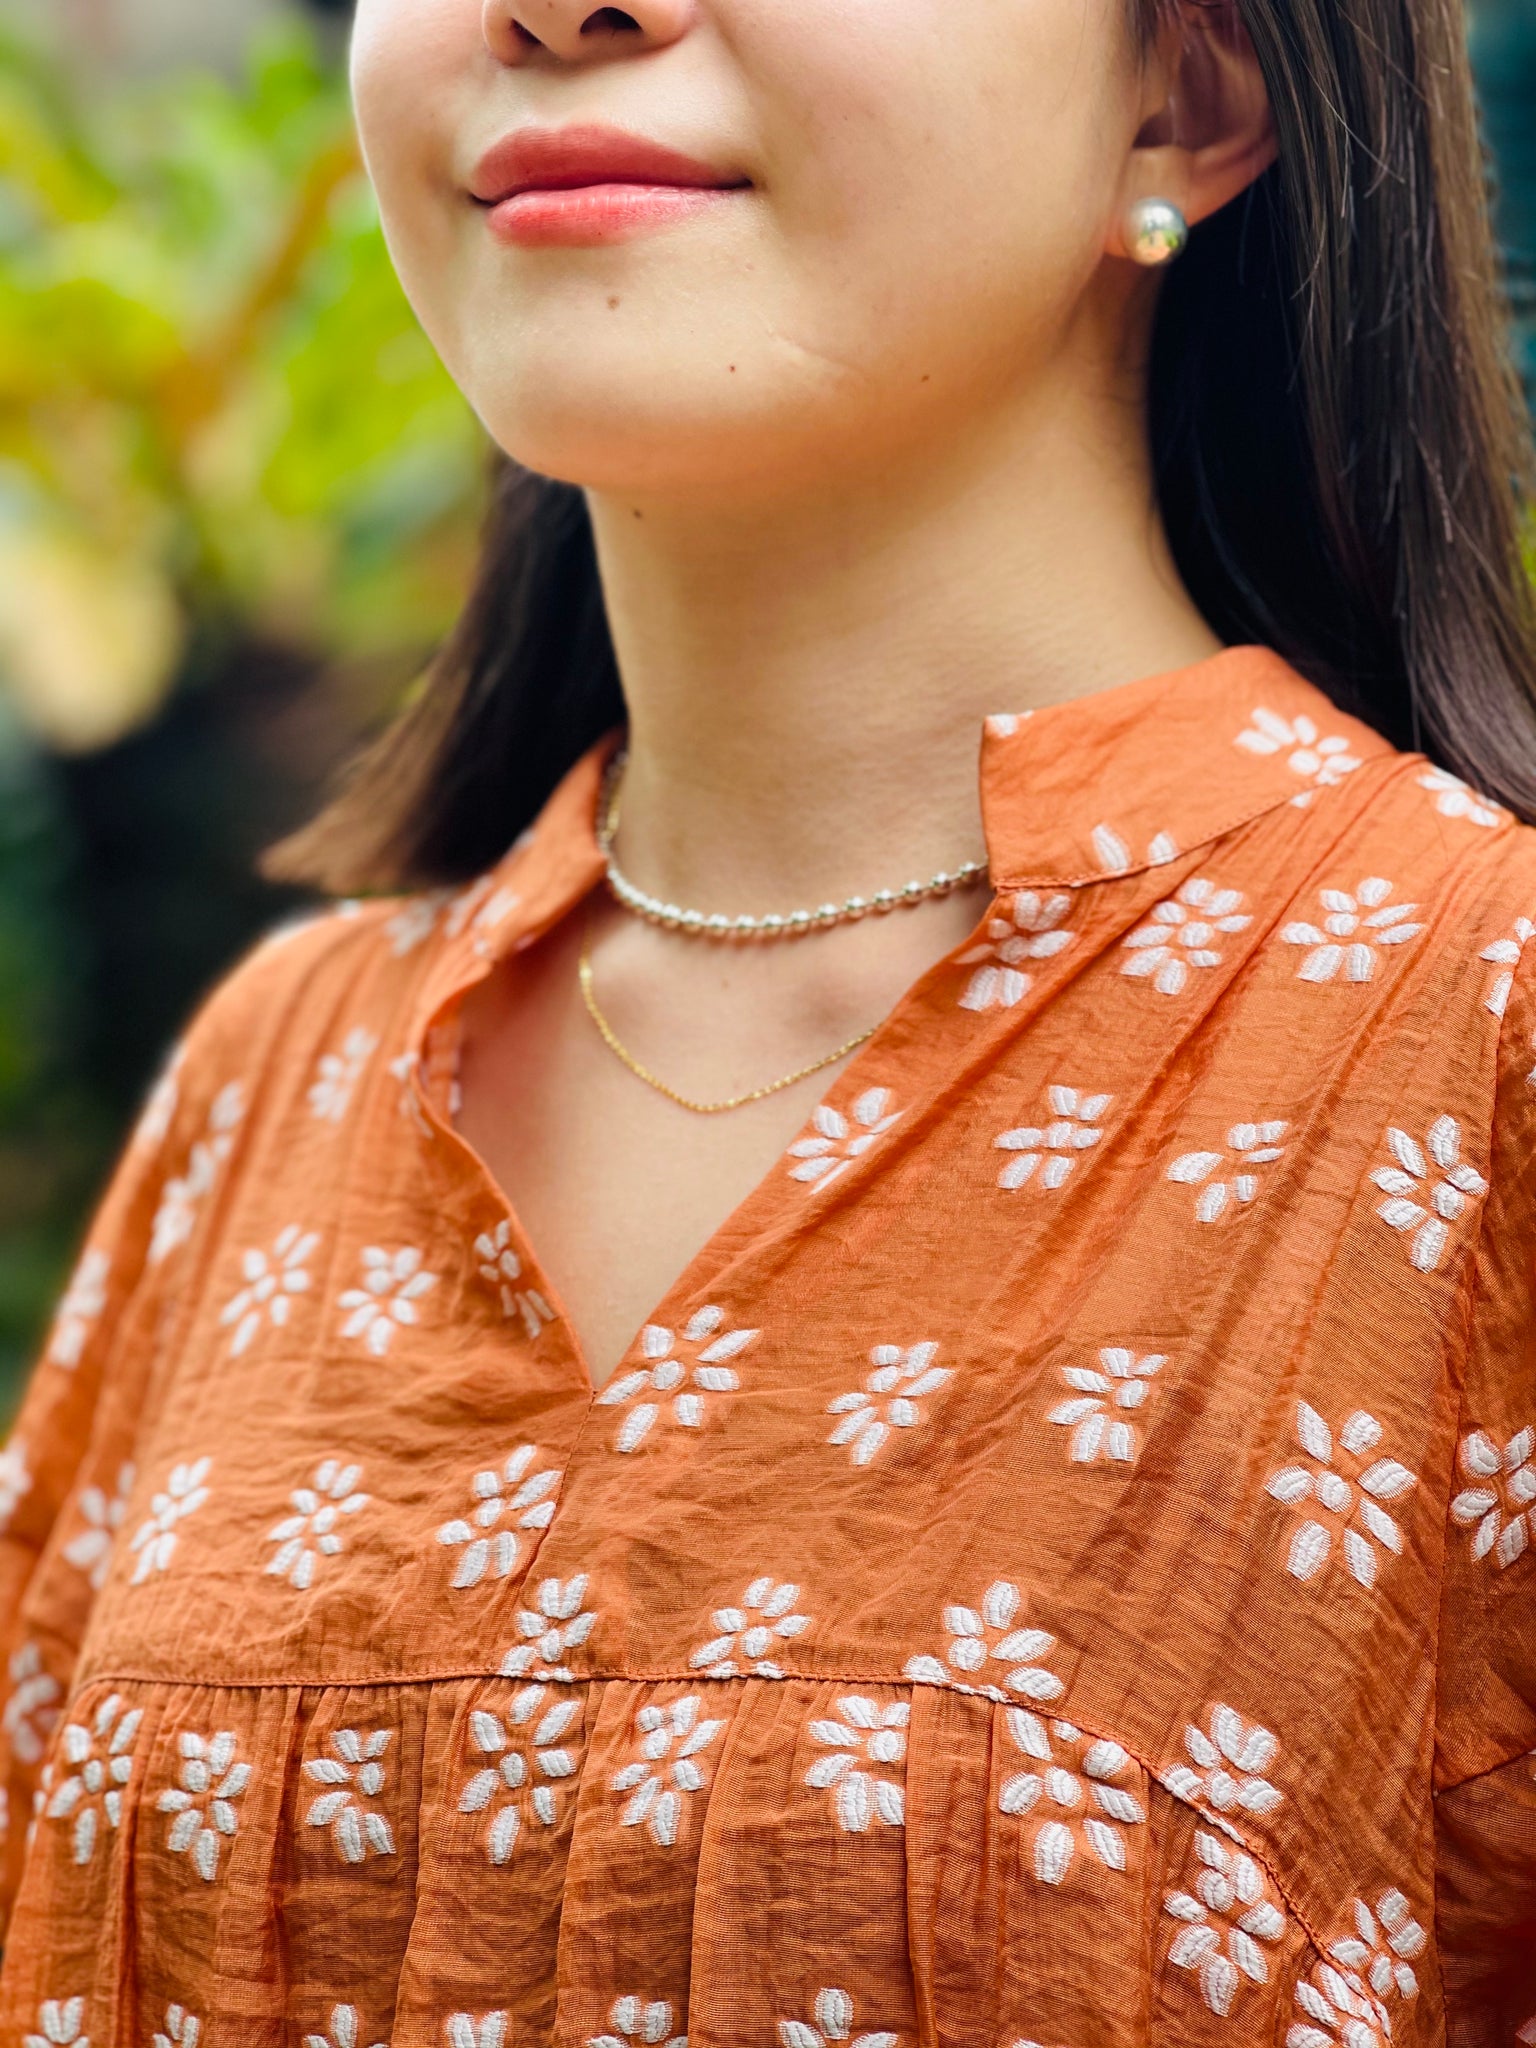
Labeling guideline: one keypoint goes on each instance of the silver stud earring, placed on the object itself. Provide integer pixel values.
(1155, 231)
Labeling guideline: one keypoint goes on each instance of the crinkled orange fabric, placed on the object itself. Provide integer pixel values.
(1058, 1568)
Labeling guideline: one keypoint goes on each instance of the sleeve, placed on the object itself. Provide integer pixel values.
(1485, 1763)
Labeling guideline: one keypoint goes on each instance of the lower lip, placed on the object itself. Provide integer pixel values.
(586, 216)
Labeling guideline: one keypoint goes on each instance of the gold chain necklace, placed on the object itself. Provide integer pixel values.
(621, 1053)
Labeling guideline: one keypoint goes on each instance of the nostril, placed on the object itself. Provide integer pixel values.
(609, 21)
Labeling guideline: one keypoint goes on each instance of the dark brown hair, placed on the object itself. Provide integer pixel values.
(1341, 452)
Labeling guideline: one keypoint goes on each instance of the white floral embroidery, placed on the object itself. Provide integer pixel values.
(1352, 929)
(1457, 799)
(15, 1480)
(1248, 1145)
(750, 1631)
(181, 2029)
(501, 1266)
(833, 2013)
(1172, 941)
(393, 1283)
(837, 1143)
(61, 2021)
(558, 1623)
(1497, 1506)
(465, 2031)
(338, 1073)
(155, 1540)
(345, 2031)
(1055, 1146)
(1413, 1191)
(271, 1282)
(888, 1399)
(103, 1515)
(1123, 1383)
(1114, 855)
(413, 924)
(1380, 1947)
(524, 1760)
(100, 1762)
(990, 1636)
(313, 1530)
(84, 1299)
(1031, 930)
(204, 1801)
(1223, 1924)
(1505, 955)
(667, 1769)
(868, 1740)
(513, 1494)
(1322, 762)
(496, 909)
(688, 1380)
(632, 2019)
(1227, 1766)
(1359, 1519)
(182, 1193)
(407, 1071)
(32, 1711)
(160, 1103)
(1067, 1782)
(1002, 725)
(355, 1776)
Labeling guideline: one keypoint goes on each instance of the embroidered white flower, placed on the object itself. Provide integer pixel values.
(1320, 761)
(1032, 930)
(181, 2029)
(155, 1540)
(181, 1195)
(1497, 1506)
(1072, 1796)
(1182, 933)
(833, 2015)
(1358, 1519)
(1053, 1147)
(1351, 930)
(888, 1399)
(513, 1494)
(865, 1742)
(100, 1763)
(314, 1529)
(413, 924)
(1223, 1923)
(1122, 1384)
(271, 1281)
(689, 1380)
(393, 1283)
(15, 1480)
(345, 2031)
(1505, 955)
(32, 1711)
(989, 1636)
(61, 2021)
(633, 2019)
(82, 1304)
(1226, 1767)
(356, 1778)
(465, 2031)
(837, 1142)
(203, 1801)
(500, 1265)
(160, 1103)
(557, 1624)
(529, 1764)
(1115, 857)
(407, 1071)
(750, 1631)
(1248, 1146)
(1380, 1947)
(1457, 799)
(1424, 1201)
(667, 1770)
(338, 1073)
(103, 1514)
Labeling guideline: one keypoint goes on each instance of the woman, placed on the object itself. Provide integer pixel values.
(1056, 1566)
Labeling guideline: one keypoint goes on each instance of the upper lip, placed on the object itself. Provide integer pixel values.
(560, 159)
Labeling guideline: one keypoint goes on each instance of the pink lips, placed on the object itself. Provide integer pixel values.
(583, 186)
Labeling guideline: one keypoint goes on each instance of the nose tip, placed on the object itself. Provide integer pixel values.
(574, 31)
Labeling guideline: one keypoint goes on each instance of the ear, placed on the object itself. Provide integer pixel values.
(1206, 130)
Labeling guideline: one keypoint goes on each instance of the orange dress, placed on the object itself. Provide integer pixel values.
(1058, 1568)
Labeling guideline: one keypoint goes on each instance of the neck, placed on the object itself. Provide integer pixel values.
(807, 676)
